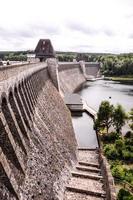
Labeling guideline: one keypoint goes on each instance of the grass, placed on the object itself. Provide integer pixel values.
(121, 79)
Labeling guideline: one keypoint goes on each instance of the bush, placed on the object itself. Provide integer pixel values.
(119, 145)
(124, 195)
(121, 173)
(111, 137)
(126, 155)
(129, 141)
(129, 176)
(118, 171)
(111, 152)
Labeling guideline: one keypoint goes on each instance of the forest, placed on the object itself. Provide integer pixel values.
(112, 65)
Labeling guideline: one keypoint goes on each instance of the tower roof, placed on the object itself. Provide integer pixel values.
(44, 49)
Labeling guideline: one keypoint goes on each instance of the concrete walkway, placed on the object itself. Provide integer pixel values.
(86, 182)
(89, 109)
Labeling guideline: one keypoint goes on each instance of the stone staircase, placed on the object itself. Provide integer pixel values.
(86, 182)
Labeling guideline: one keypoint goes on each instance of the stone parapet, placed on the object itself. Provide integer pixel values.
(108, 178)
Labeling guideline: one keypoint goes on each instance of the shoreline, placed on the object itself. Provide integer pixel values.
(123, 80)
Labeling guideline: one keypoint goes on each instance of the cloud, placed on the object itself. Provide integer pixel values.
(42, 27)
(81, 28)
(92, 31)
(130, 36)
(18, 37)
(87, 25)
(28, 31)
(82, 48)
(109, 32)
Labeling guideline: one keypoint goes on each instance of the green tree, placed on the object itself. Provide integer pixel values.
(119, 118)
(131, 114)
(131, 118)
(104, 116)
(119, 145)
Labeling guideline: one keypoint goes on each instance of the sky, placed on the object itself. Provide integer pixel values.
(102, 26)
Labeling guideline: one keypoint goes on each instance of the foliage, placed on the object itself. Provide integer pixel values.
(129, 134)
(108, 116)
(131, 118)
(131, 114)
(121, 149)
(120, 153)
(117, 149)
(111, 152)
(129, 176)
(65, 58)
(104, 116)
(16, 57)
(124, 195)
(118, 171)
(119, 118)
(121, 172)
(110, 137)
(117, 65)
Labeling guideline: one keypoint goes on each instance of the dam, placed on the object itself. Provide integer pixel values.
(39, 155)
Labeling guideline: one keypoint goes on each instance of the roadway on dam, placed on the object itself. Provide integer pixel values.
(9, 71)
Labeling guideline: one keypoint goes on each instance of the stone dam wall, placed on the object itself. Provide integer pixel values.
(37, 141)
(92, 69)
(70, 77)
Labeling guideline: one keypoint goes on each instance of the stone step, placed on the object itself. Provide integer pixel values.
(87, 149)
(88, 169)
(88, 156)
(86, 185)
(86, 192)
(87, 172)
(86, 175)
(95, 165)
(69, 195)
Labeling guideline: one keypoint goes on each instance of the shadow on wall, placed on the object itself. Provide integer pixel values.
(20, 147)
(18, 104)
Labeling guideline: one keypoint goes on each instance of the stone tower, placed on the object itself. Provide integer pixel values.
(44, 50)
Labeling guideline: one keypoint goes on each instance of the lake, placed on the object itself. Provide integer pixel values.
(93, 93)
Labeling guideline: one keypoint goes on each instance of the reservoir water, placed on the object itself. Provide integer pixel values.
(93, 93)
(85, 135)
(115, 92)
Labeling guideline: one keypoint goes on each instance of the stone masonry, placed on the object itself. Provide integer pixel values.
(38, 149)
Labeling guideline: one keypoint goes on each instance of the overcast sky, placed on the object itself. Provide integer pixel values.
(72, 25)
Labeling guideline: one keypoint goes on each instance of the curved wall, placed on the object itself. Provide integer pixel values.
(37, 142)
(92, 69)
(70, 77)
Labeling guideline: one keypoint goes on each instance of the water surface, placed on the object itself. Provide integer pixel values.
(85, 135)
(93, 93)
